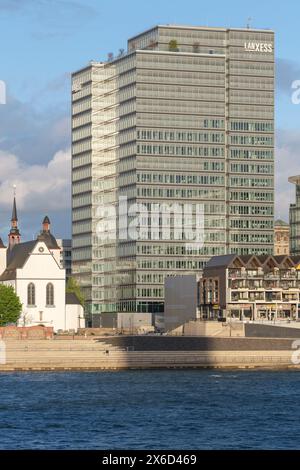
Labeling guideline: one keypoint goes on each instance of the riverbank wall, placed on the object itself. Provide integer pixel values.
(149, 352)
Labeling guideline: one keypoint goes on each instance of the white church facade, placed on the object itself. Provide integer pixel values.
(33, 269)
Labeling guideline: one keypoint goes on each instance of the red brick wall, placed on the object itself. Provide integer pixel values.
(22, 332)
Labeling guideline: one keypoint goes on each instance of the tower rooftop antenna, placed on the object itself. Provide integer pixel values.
(249, 21)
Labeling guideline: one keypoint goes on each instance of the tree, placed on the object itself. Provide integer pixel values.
(173, 45)
(74, 287)
(10, 305)
(26, 318)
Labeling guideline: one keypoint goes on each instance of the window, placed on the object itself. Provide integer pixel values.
(31, 295)
(49, 294)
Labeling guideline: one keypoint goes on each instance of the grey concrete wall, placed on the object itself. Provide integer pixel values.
(198, 343)
(180, 300)
(270, 331)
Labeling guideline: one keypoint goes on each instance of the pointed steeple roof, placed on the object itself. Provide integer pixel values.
(1, 243)
(14, 233)
(14, 216)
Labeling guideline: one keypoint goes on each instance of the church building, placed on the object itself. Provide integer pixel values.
(33, 269)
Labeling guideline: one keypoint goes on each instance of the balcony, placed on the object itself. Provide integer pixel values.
(273, 297)
(256, 296)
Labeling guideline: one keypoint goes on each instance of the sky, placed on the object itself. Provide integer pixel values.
(43, 41)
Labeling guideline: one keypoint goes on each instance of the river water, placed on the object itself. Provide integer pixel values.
(165, 409)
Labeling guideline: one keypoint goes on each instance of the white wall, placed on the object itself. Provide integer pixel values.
(74, 317)
(2, 259)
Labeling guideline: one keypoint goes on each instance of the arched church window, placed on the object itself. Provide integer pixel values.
(50, 294)
(31, 294)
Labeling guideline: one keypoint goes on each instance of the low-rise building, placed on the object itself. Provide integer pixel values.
(281, 238)
(34, 270)
(250, 287)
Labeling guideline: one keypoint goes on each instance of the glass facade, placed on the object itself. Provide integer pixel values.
(187, 115)
(295, 218)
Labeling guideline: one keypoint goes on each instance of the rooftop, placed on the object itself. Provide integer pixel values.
(280, 223)
(294, 179)
(199, 28)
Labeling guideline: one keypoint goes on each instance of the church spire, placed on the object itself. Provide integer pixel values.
(14, 235)
(14, 217)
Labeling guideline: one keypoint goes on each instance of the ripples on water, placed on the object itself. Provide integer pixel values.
(197, 409)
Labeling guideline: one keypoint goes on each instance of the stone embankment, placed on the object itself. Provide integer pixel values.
(147, 352)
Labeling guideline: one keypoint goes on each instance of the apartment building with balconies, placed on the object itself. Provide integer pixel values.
(250, 288)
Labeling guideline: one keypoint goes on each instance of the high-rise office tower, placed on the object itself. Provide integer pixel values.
(186, 116)
(295, 218)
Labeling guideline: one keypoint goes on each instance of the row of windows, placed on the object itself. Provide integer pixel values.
(150, 292)
(245, 168)
(251, 224)
(181, 150)
(82, 146)
(251, 238)
(252, 126)
(81, 91)
(251, 140)
(81, 254)
(251, 112)
(251, 196)
(81, 106)
(252, 182)
(252, 250)
(182, 77)
(251, 210)
(252, 154)
(180, 264)
(254, 83)
(81, 186)
(84, 200)
(218, 208)
(251, 68)
(178, 179)
(180, 136)
(187, 92)
(251, 97)
(81, 159)
(178, 193)
(216, 37)
(82, 173)
(169, 61)
(79, 214)
(150, 278)
(177, 107)
(187, 120)
(82, 119)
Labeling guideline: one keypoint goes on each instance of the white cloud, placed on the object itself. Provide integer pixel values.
(39, 187)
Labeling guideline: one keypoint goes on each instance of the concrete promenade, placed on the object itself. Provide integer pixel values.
(138, 352)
